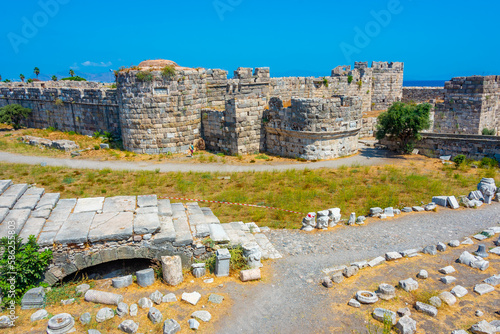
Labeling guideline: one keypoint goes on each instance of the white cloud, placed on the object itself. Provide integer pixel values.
(101, 64)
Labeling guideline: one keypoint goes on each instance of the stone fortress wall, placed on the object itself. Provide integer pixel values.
(471, 104)
(158, 114)
(83, 107)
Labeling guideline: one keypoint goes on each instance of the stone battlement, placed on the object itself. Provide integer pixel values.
(155, 112)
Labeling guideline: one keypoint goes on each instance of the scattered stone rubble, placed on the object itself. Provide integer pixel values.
(322, 220)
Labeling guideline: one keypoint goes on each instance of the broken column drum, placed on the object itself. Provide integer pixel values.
(488, 189)
(252, 253)
(222, 261)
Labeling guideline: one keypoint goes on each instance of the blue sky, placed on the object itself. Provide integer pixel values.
(435, 39)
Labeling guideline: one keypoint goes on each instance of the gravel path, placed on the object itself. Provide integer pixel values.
(290, 300)
(367, 156)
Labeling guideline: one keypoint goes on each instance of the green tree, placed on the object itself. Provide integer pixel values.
(54, 78)
(25, 260)
(30, 80)
(22, 77)
(36, 71)
(403, 122)
(71, 72)
(13, 114)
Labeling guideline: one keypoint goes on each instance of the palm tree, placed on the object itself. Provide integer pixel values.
(22, 77)
(54, 78)
(36, 71)
(71, 72)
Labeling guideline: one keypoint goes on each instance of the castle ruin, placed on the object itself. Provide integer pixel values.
(306, 117)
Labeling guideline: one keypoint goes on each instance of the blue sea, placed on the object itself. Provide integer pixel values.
(423, 83)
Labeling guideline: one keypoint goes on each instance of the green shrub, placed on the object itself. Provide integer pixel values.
(403, 122)
(26, 262)
(13, 114)
(77, 78)
(168, 72)
(488, 162)
(488, 132)
(144, 76)
(459, 159)
(350, 78)
(325, 82)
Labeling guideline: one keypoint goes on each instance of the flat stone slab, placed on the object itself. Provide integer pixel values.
(440, 200)
(30, 198)
(164, 208)
(193, 208)
(459, 291)
(447, 270)
(33, 226)
(480, 237)
(482, 289)
(183, 235)
(16, 190)
(4, 185)
(495, 250)
(92, 204)
(47, 238)
(15, 217)
(178, 210)
(376, 261)
(197, 219)
(167, 231)
(111, 226)
(48, 201)
(146, 223)
(210, 218)
(452, 201)
(76, 229)
(202, 230)
(3, 213)
(147, 209)
(119, 204)
(62, 211)
(217, 233)
(147, 200)
(192, 298)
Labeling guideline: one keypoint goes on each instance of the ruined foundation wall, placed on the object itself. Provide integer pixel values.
(314, 129)
(81, 107)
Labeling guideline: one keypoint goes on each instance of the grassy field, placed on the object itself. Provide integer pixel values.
(10, 141)
(353, 189)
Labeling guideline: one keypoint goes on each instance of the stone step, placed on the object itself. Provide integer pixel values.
(33, 226)
(75, 230)
(92, 204)
(9, 198)
(119, 204)
(218, 234)
(56, 219)
(201, 230)
(4, 185)
(147, 200)
(111, 226)
(3, 213)
(146, 223)
(48, 201)
(167, 231)
(178, 210)
(164, 208)
(14, 220)
(209, 216)
(30, 198)
(193, 208)
(183, 235)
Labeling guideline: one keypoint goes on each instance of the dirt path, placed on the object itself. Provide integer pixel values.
(290, 300)
(367, 156)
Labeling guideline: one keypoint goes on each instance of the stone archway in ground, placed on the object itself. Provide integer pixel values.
(68, 262)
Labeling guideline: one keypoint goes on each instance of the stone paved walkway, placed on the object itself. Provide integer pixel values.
(291, 300)
(56, 221)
